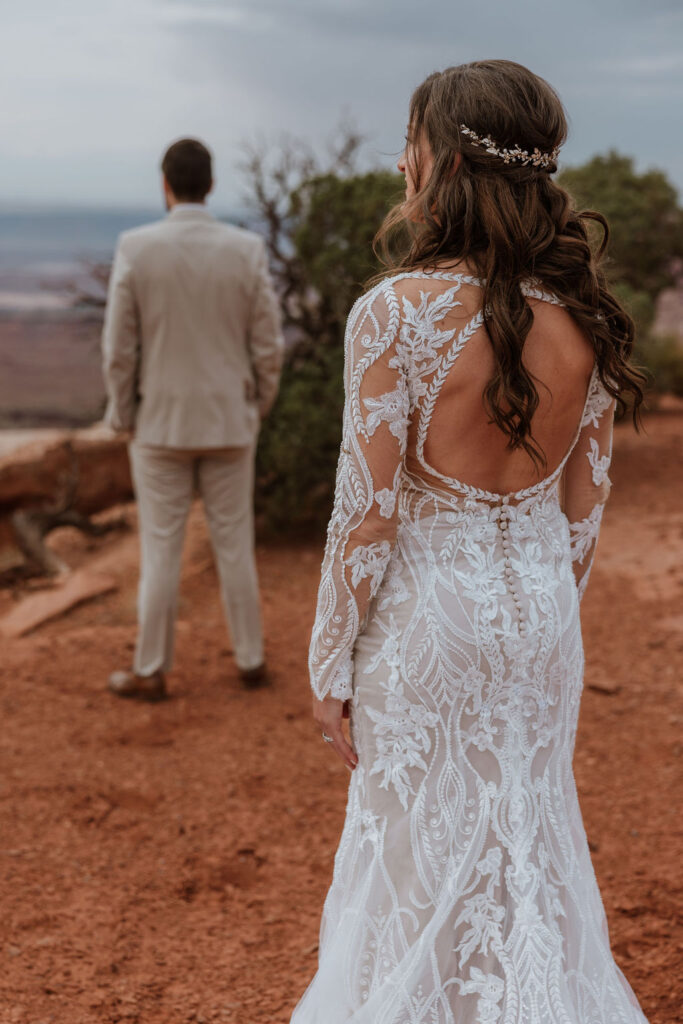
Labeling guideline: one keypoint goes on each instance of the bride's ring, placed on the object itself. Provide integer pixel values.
(328, 739)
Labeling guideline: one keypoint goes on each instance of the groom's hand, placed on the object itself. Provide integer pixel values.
(329, 713)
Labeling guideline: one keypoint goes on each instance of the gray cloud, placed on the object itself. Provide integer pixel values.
(144, 71)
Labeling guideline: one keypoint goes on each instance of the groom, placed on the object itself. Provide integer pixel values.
(192, 348)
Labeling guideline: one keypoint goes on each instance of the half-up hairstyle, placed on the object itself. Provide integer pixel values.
(510, 222)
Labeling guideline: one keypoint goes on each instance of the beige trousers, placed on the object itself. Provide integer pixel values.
(165, 481)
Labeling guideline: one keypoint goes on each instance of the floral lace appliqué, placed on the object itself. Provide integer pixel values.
(402, 730)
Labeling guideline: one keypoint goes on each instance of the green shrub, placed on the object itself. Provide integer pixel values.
(330, 222)
(661, 356)
(644, 216)
(299, 446)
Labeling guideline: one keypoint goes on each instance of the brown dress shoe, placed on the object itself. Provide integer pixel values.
(254, 677)
(128, 684)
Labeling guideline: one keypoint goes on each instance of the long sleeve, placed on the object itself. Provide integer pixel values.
(121, 346)
(362, 528)
(586, 482)
(266, 344)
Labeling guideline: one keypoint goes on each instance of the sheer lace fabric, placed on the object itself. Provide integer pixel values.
(448, 615)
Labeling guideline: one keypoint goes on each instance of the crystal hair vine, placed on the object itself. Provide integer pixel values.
(515, 155)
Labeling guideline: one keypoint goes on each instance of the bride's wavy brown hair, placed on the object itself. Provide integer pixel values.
(509, 222)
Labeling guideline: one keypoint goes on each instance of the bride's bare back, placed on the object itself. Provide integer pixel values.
(460, 440)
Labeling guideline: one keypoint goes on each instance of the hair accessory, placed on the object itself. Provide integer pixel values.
(516, 155)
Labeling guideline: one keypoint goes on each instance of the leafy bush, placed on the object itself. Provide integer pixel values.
(299, 445)
(645, 220)
(661, 356)
(320, 226)
(646, 238)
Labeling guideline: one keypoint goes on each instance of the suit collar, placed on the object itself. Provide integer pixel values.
(189, 211)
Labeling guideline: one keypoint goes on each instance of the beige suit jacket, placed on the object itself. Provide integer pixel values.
(192, 339)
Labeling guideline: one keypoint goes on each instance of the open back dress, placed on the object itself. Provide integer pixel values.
(448, 615)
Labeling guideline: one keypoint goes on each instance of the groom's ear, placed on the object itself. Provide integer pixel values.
(168, 191)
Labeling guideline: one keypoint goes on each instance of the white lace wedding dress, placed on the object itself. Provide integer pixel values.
(463, 890)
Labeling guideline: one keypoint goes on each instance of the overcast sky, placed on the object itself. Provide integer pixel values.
(92, 91)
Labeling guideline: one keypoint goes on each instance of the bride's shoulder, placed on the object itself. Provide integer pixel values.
(407, 283)
(374, 300)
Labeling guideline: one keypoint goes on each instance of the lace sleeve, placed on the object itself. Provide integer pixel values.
(586, 480)
(362, 528)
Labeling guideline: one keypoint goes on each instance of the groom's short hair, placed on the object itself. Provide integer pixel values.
(187, 168)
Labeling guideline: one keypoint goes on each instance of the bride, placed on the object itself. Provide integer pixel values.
(481, 380)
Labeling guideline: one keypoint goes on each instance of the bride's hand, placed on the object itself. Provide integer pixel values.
(329, 713)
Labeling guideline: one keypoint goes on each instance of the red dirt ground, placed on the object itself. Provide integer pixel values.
(168, 864)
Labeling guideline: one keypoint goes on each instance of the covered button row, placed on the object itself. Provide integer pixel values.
(509, 573)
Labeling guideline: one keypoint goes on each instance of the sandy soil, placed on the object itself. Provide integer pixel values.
(167, 865)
